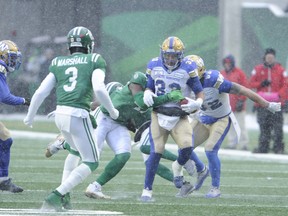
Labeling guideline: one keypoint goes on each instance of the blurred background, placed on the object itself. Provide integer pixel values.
(128, 34)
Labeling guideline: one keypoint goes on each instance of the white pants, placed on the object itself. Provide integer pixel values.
(79, 133)
(116, 135)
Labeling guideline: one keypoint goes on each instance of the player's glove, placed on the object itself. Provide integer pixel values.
(274, 107)
(192, 105)
(175, 95)
(27, 101)
(148, 97)
(265, 83)
(114, 114)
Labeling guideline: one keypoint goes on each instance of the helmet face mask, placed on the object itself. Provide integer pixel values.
(81, 37)
(10, 54)
(172, 52)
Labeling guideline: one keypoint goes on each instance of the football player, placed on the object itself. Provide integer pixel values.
(77, 78)
(213, 121)
(10, 60)
(133, 112)
(167, 72)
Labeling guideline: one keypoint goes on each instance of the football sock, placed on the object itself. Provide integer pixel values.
(113, 168)
(76, 177)
(151, 168)
(166, 154)
(71, 162)
(5, 156)
(169, 155)
(214, 167)
(164, 172)
(198, 163)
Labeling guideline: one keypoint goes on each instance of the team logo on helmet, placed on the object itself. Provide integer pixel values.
(172, 52)
(199, 62)
(10, 55)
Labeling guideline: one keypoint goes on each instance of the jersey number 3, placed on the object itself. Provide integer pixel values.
(72, 79)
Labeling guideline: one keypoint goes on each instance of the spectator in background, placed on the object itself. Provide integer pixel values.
(237, 102)
(268, 79)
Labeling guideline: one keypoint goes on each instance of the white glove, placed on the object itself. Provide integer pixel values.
(274, 107)
(28, 122)
(114, 114)
(148, 97)
(192, 105)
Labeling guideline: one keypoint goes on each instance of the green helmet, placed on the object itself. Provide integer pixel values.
(139, 78)
(81, 37)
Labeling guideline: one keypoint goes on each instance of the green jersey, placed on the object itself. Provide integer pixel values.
(129, 111)
(73, 78)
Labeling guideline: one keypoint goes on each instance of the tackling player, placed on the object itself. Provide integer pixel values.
(128, 100)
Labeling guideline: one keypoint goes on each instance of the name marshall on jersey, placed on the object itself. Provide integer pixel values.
(72, 61)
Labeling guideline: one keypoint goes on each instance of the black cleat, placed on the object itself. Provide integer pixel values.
(7, 185)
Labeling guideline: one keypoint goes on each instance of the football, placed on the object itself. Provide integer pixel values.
(184, 101)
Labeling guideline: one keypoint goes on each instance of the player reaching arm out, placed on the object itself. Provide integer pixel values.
(242, 90)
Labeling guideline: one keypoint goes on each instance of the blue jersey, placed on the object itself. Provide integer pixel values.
(216, 102)
(5, 95)
(162, 81)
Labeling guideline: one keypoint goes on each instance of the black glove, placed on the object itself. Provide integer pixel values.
(265, 83)
(27, 101)
(239, 106)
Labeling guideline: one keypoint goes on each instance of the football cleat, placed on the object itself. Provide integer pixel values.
(189, 166)
(178, 174)
(94, 191)
(53, 202)
(214, 192)
(201, 178)
(146, 195)
(178, 181)
(186, 189)
(66, 203)
(55, 146)
(7, 185)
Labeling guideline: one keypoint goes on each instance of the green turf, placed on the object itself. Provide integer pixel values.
(249, 187)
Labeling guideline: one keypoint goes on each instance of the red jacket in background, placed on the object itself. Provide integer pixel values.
(276, 75)
(238, 76)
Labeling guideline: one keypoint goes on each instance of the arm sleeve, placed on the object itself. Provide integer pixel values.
(40, 94)
(100, 91)
(5, 95)
(195, 84)
(161, 99)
